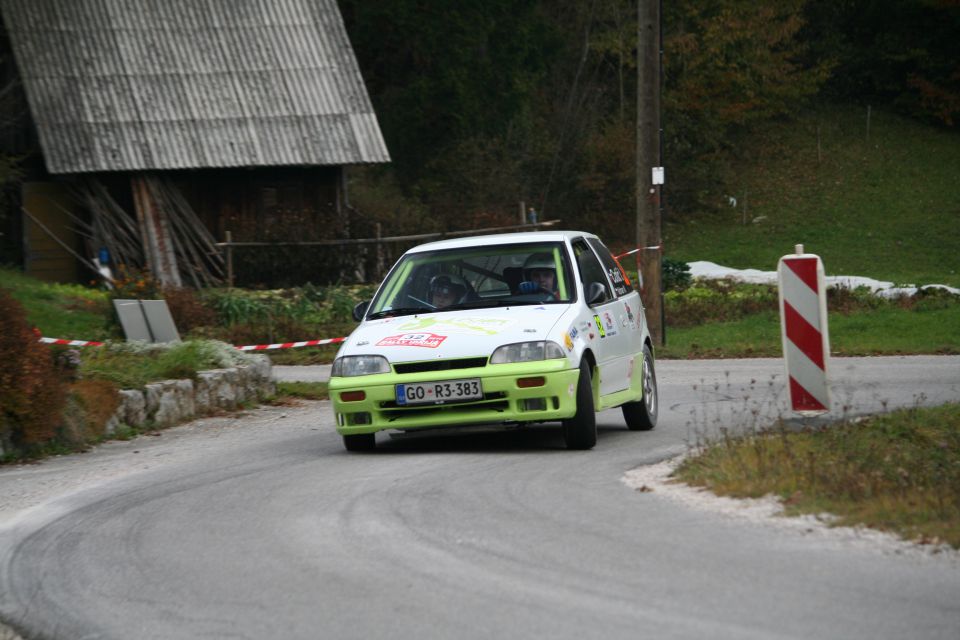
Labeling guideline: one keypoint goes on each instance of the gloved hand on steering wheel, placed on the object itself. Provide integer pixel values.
(529, 287)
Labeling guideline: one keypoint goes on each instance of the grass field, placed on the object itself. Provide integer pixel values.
(888, 331)
(898, 472)
(60, 310)
(886, 208)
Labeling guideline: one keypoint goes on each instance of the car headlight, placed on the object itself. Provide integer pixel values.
(349, 366)
(527, 352)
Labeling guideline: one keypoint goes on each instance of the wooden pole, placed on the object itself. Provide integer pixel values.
(158, 246)
(648, 232)
(380, 257)
(229, 246)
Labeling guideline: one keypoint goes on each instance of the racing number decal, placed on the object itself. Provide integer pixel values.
(603, 333)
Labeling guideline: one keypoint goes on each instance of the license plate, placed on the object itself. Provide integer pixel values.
(439, 392)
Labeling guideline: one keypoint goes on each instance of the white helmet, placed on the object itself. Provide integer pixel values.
(449, 285)
(538, 261)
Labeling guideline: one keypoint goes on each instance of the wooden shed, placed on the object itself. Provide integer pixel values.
(244, 113)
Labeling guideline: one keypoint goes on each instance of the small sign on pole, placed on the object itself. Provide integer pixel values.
(803, 328)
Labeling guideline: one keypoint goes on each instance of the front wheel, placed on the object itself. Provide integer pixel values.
(580, 431)
(642, 416)
(360, 442)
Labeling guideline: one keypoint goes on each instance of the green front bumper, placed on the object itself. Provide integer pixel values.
(504, 400)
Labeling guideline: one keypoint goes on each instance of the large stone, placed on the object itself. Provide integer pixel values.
(172, 401)
(133, 408)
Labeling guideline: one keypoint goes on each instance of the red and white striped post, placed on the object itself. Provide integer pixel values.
(803, 327)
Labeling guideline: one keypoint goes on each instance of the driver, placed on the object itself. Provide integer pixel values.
(446, 290)
(539, 272)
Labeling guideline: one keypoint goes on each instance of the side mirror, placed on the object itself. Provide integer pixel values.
(360, 310)
(596, 293)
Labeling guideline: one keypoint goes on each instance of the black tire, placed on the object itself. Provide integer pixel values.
(360, 442)
(580, 431)
(642, 415)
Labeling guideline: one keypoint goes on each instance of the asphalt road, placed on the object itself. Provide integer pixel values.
(263, 526)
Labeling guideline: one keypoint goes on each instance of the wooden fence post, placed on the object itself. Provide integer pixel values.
(229, 245)
(380, 257)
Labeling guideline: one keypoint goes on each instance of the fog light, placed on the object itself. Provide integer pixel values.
(360, 418)
(353, 396)
(526, 383)
(535, 404)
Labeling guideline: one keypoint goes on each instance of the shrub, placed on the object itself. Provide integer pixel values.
(131, 365)
(187, 309)
(676, 275)
(846, 300)
(90, 405)
(718, 301)
(31, 388)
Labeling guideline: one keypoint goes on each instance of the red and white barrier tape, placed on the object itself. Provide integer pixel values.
(72, 343)
(290, 345)
(250, 347)
(633, 251)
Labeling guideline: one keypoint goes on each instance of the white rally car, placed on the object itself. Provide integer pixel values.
(509, 329)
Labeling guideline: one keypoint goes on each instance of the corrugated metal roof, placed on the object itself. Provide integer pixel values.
(123, 85)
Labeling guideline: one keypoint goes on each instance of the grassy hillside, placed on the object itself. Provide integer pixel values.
(887, 207)
(60, 310)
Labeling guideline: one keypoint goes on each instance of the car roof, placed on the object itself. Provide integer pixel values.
(502, 238)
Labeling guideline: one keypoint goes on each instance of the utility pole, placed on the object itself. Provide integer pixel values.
(649, 167)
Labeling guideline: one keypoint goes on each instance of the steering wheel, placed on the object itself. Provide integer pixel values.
(423, 302)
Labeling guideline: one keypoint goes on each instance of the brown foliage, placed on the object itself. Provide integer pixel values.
(98, 401)
(31, 389)
(187, 310)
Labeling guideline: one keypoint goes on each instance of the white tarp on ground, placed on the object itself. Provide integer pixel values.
(713, 271)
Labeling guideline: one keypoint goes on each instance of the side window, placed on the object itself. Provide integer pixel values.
(590, 268)
(621, 283)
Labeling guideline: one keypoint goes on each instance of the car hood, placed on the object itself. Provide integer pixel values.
(453, 334)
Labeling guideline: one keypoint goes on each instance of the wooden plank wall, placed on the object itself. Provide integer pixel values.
(44, 257)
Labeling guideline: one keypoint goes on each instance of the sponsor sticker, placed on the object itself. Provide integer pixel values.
(611, 326)
(428, 340)
(573, 332)
(568, 341)
(600, 329)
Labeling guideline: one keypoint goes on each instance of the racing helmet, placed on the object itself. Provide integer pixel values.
(448, 284)
(538, 262)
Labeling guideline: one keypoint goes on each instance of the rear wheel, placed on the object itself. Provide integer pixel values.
(360, 442)
(642, 416)
(580, 431)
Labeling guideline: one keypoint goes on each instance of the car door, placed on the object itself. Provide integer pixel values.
(613, 348)
(631, 314)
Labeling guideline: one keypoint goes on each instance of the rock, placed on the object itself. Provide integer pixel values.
(133, 408)
(172, 401)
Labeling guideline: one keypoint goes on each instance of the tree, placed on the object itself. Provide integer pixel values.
(896, 52)
(728, 63)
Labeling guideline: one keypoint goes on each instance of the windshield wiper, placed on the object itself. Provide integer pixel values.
(487, 304)
(399, 311)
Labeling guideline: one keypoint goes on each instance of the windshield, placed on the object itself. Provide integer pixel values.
(476, 277)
